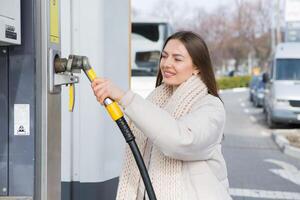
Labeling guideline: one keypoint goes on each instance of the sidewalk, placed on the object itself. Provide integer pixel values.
(281, 136)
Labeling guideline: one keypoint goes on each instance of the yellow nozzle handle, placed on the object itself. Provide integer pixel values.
(114, 111)
(91, 74)
(71, 97)
(112, 108)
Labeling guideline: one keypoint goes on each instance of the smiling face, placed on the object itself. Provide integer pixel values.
(176, 64)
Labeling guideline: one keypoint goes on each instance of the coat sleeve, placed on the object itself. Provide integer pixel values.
(192, 137)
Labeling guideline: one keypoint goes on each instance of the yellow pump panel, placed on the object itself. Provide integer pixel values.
(54, 21)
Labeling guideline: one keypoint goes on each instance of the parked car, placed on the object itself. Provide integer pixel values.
(256, 90)
(282, 93)
(232, 73)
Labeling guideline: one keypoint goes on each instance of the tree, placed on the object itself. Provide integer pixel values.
(230, 32)
(235, 33)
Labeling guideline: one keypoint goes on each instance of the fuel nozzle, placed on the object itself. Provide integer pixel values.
(74, 64)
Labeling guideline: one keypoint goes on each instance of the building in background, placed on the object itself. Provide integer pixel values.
(292, 21)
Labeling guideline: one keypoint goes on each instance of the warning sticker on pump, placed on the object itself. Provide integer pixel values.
(21, 119)
(10, 32)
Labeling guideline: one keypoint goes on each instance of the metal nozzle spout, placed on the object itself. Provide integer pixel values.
(60, 64)
(79, 62)
(74, 63)
(107, 101)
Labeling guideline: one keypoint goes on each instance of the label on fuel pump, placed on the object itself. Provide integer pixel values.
(21, 119)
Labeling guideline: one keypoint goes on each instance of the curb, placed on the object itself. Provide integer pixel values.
(240, 89)
(284, 145)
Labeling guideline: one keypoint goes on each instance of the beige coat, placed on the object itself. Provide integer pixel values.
(194, 138)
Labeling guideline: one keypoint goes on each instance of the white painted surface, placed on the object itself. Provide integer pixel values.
(264, 194)
(143, 85)
(287, 171)
(92, 145)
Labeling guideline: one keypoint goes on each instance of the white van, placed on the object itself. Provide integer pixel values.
(147, 39)
(282, 93)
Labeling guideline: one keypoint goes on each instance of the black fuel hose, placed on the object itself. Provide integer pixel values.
(137, 156)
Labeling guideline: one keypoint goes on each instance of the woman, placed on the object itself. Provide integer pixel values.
(178, 128)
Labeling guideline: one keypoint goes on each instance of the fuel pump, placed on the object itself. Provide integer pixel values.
(74, 64)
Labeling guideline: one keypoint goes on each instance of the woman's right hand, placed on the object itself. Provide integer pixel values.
(104, 88)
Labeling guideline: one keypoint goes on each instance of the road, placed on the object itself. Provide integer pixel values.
(257, 169)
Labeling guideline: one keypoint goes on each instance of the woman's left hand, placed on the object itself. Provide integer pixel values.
(104, 88)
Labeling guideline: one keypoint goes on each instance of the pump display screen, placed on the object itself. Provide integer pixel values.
(288, 69)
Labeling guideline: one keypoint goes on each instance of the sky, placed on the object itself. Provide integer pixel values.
(145, 6)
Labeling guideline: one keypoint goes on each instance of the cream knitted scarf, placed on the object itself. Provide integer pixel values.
(164, 172)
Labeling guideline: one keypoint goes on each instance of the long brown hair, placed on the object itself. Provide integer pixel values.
(199, 53)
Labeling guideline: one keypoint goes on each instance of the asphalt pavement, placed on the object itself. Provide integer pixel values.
(257, 169)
